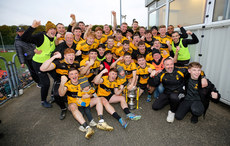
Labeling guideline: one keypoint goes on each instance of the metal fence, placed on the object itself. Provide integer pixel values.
(13, 79)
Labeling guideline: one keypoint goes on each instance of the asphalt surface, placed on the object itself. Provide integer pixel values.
(26, 122)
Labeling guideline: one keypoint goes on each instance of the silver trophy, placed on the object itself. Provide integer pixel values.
(132, 96)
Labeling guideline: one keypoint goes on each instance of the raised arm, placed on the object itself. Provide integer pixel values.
(98, 79)
(84, 69)
(62, 89)
(48, 65)
(114, 21)
(36, 39)
(115, 63)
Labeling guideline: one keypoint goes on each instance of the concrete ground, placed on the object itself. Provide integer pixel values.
(26, 122)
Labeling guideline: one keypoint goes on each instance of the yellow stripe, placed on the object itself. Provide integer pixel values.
(181, 73)
(162, 77)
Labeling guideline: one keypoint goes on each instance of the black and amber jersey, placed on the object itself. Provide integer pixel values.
(102, 40)
(76, 42)
(106, 88)
(120, 51)
(123, 38)
(133, 46)
(72, 94)
(164, 46)
(113, 49)
(121, 81)
(85, 48)
(110, 33)
(128, 68)
(93, 69)
(62, 67)
(143, 74)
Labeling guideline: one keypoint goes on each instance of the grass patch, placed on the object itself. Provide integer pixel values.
(8, 56)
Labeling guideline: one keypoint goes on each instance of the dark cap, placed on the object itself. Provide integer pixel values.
(19, 29)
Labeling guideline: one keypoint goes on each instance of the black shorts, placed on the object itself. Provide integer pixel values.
(142, 86)
(108, 97)
(150, 81)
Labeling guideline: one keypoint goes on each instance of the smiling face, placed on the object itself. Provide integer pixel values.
(110, 42)
(141, 62)
(61, 29)
(69, 58)
(169, 65)
(112, 76)
(106, 29)
(127, 59)
(101, 51)
(90, 40)
(157, 45)
(73, 75)
(124, 27)
(141, 49)
(170, 29)
(77, 33)
(69, 39)
(51, 32)
(98, 34)
(142, 31)
(195, 72)
(93, 55)
(175, 37)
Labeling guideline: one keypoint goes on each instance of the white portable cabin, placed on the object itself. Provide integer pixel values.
(210, 21)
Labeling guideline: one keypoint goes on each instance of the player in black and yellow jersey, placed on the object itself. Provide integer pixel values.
(99, 38)
(110, 44)
(77, 35)
(130, 70)
(149, 39)
(122, 50)
(109, 93)
(165, 40)
(86, 45)
(62, 67)
(119, 38)
(72, 89)
(101, 52)
(144, 71)
(135, 41)
(90, 66)
(142, 50)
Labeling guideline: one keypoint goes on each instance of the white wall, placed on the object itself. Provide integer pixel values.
(215, 50)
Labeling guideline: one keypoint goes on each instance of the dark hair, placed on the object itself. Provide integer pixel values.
(125, 42)
(60, 24)
(108, 52)
(140, 56)
(113, 69)
(148, 31)
(71, 69)
(110, 37)
(154, 27)
(175, 32)
(194, 64)
(127, 53)
(141, 43)
(77, 28)
(118, 31)
(101, 46)
(93, 50)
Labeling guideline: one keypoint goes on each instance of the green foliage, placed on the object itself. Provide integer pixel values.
(9, 33)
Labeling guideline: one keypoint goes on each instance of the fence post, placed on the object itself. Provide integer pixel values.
(15, 70)
(9, 80)
(13, 79)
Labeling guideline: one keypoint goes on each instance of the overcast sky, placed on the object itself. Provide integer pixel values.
(18, 12)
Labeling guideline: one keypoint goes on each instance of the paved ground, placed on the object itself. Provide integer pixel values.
(25, 122)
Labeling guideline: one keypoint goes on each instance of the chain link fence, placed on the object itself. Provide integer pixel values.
(13, 78)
